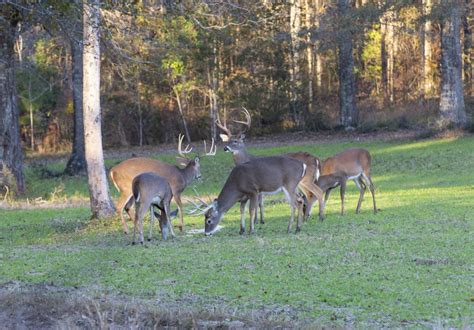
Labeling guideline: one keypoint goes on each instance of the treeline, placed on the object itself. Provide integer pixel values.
(170, 67)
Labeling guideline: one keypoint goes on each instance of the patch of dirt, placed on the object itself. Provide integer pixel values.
(43, 306)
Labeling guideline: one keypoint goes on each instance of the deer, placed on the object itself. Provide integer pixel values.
(330, 181)
(179, 178)
(355, 164)
(151, 190)
(246, 181)
(236, 145)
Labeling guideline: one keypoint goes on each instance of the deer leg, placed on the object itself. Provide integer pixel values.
(342, 191)
(299, 204)
(139, 215)
(253, 211)
(124, 199)
(177, 199)
(152, 220)
(242, 217)
(361, 185)
(372, 189)
(260, 205)
(166, 223)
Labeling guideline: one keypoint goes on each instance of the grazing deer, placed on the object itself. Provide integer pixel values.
(246, 181)
(330, 181)
(236, 146)
(355, 163)
(178, 178)
(151, 190)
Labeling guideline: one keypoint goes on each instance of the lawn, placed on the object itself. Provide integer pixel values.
(412, 264)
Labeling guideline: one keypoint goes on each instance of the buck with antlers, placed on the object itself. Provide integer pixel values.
(123, 174)
(354, 164)
(236, 145)
(246, 181)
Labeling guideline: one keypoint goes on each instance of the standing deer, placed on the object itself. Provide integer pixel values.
(151, 190)
(178, 178)
(236, 146)
(355, 163)
(246, 181)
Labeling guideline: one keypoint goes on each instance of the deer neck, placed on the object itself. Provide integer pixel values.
(227, 198)
(187, 173)
(241, 156)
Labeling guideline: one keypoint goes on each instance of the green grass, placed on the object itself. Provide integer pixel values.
(412, 264)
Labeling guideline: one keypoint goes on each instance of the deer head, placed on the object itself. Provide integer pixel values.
(194, 162)
(235, 141)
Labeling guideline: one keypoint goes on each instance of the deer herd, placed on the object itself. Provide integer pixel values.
(151, 184)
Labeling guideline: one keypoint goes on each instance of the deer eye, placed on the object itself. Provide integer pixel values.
(209, 222)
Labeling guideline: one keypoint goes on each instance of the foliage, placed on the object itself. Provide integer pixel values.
(409, 265)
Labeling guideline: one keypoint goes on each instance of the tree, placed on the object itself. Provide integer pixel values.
(347, 90)
(76, 164)
(295, 76)
(101, 204)
(451, 104)
(427, 35)
(11, 157)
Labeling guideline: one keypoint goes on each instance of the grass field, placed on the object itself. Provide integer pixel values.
(411, 265)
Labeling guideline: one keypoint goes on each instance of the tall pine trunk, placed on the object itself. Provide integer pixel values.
(347, 89)
(101, 206)
(428, 85)
(295, 75)
(452, 112)
(76, 164)
(11, 157)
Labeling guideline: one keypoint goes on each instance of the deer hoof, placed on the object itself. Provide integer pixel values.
(148, 239)
(298, 229)
(133, 243)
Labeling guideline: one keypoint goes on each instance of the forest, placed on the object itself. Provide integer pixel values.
(89, 85)
(303, 65)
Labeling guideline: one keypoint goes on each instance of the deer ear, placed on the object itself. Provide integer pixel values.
(182, 161)
(196, 159)
(224, 137)
(242, 137)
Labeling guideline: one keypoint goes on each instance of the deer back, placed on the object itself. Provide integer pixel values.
(123, 174)
(351, 161)
(148, 186)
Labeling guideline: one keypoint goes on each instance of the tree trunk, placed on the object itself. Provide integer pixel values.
(11, 157)
(295, 79)
(76, 164)
(347, 90)
(468, 51)
(452, 99)
(387, 55)
(309, 52)
(318, 61)
(101, 206)
(428, 85)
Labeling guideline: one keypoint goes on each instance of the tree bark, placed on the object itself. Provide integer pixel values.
(11, 157)
(428, 85)
(347, 90)
(468, 51)
(101, 205)
(76, 164)
(309, 52)
(452, 112)
(295, 76)
(387, 55)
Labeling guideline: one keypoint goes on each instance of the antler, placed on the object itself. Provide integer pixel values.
(187, 150)
(200, 207)
(212, 149)
(223, 127)
(248, 119)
